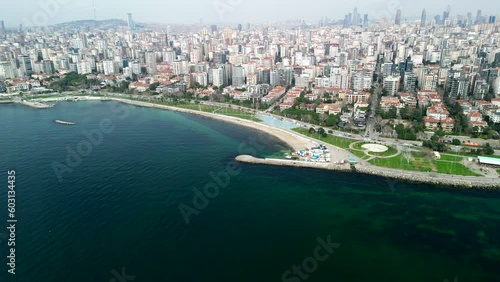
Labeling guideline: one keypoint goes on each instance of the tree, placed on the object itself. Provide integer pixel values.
(323, 118)
(488, 150)
(153, 86)
(322, 132)
(456, 142)
(332, 120)
(312, 130)
(392, 113)
(408, 156)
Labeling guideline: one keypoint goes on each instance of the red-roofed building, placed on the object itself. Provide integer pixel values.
(431, 123)
(480, 125)
(447, 124)
(475, 117)
(286, 105)
(495, 102)
(438, 111)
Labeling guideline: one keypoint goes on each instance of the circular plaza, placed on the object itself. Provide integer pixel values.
(375, 148)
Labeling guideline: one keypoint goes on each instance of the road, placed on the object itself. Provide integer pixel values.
(371, 131)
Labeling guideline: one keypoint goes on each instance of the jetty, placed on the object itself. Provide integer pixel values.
(36, 105)
(463, 182)
(65, 122)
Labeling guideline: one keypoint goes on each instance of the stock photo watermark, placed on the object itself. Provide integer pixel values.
(222, 7)
(48, 9)
(388, 11)
(92, 138)
(220, 180)
(309, 265)
(121, 277)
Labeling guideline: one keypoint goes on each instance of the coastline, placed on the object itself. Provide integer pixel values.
(298, 142)
(463, 182)
(295, 141)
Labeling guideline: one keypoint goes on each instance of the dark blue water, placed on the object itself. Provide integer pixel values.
(116, 211)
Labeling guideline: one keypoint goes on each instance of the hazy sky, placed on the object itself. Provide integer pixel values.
(191, 11)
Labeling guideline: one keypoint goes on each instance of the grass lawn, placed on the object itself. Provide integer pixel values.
(468, 155)
(44, 97)
(399, 162)
(334, 140)
(453, 168)
(359, 154)
(451, 158)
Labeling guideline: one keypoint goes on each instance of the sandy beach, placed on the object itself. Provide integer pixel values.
(295, 141)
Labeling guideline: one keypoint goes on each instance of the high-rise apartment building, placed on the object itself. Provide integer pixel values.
(391, 85)
(108, 67)
(238, 76)
(6, 70)
(151, 62)
(83, 67)
(25, 66)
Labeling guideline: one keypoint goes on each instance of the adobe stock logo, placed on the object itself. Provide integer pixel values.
(223, 7)
(310, 264)
(47, 9)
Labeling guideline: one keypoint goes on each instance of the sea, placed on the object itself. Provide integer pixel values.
(140, 194)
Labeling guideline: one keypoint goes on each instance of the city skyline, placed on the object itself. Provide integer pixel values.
(225, 11)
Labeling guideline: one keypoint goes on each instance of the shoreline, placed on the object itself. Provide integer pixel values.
(456, 181)
(362, 167)
(298, 142)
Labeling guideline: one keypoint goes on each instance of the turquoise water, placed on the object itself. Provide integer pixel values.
(119, 208)
(271, 120)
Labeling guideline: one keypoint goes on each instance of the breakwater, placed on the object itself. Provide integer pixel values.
(410, 176)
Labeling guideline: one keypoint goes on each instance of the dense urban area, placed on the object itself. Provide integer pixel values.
(431, 82)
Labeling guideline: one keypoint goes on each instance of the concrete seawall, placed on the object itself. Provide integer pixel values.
(432, 178)
(292, 163)
(464, 182)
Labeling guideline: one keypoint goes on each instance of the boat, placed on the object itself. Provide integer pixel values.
(65, 122)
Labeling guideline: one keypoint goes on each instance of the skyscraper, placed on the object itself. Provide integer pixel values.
(355, 16)
(479, 16)
(493, 19)
(398, 18)
(423, 19)
(130, 21)
(2, 28)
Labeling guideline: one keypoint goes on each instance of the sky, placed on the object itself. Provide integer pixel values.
(47, 12)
